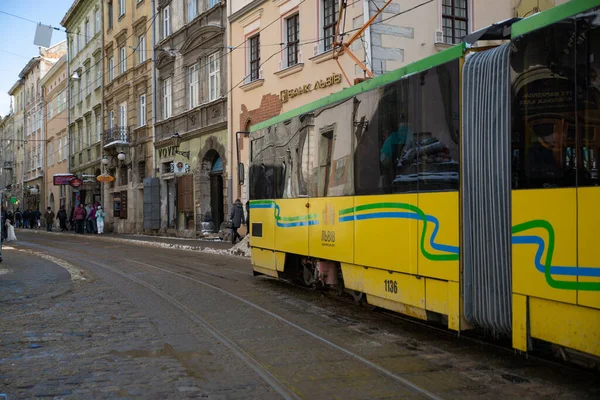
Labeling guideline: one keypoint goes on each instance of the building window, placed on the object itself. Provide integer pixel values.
(59, 105)
(78, 40)
(212, 3)
(454, 20)
(122, 60)
(111, 69)
(110, 15)
(121, 8)
(167, 98)
(193, 86)
(88, 81)
(330, 13)
(214, 77)
(142, 110)
(98, 127)
(141, 49)
(166, 21)
(51, 154)
(50, 110)
(111, 119)
(254, 57)
(292, 36)
(60, 149)
(87, 31)
(79, 137)
(123, 115)
(97, 21)
(88, 131)
(98, 73)
(191, 10)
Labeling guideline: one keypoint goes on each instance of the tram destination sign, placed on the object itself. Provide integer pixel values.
(287, 94)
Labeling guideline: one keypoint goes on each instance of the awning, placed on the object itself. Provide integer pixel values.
(217, 167)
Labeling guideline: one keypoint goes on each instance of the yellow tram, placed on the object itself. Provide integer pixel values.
(462, 188)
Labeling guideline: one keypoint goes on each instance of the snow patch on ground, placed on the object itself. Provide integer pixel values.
(76, 273)
(242, 248)
(5, 271)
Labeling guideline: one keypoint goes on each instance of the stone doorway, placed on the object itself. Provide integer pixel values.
(211, 190)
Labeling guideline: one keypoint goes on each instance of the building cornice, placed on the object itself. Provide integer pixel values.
(53, 70)
(32, 63)
(245, 10)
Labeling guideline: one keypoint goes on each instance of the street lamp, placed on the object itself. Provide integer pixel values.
(121, 156)
(105, 161)
(175, 142)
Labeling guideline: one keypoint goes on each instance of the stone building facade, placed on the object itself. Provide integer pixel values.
(83, 21)
(127, 111)
(54, 89)
(17, 143)
(191, 101)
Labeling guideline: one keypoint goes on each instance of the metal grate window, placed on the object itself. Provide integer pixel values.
(293, 29)
(454, 20)
(254, 57)
(330, 12)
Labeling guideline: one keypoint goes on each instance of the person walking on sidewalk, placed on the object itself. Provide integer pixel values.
(62, 218)
(49, 215)
(26, 217)
(18, 218)
(80, 219)
(100, 219)
(4, 227)
(236, 216)
(38, 216)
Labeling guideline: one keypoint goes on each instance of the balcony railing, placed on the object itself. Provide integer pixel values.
(117, 135)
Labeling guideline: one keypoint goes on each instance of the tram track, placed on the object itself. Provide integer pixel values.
(256, 365)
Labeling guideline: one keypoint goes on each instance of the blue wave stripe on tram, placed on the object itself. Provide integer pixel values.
(261, 205)
(554, 270)
(300, 223)
(407, 215)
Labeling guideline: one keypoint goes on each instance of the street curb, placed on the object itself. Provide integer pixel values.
(162, 245)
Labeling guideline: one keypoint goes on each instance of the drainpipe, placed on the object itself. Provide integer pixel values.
(69, 145)
(154, 167)
(230, 104)
(368, 51)
(237, 153)
(102, 55)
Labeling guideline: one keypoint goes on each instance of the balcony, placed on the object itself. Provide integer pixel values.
(117, 136)
(8, 165)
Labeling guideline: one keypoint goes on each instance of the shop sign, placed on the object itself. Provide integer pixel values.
(63, 179)
(76, 182)
(105, 178)
(287, 94)
(13, 200)
(166, 152)
(180, 168)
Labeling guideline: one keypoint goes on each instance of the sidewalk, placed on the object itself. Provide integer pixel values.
(208, 246)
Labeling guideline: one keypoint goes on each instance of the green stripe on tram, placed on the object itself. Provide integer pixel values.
(440, 58)
(552, 16)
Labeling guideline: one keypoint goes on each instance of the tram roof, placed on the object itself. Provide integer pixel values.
(522, 27)
(442, 57)
(551, 16)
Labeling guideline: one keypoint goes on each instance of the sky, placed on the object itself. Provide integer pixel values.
(17, 47)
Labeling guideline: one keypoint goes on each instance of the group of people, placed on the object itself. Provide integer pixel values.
(26, 219)
(88, 219)
(8, 229)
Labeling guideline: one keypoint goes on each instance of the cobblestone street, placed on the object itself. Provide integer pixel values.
(87, 317)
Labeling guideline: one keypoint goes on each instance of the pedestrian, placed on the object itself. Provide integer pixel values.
(26, 215)
(31, 219)
(80, 219)
(11, 237)
(38, 217)
(248, 215)
(72, 219)
(100, 220)
(62, 218)
(88, 218)
(49, 215)
(4, 214)
(236, 216)
(18, 218)
(93, 222)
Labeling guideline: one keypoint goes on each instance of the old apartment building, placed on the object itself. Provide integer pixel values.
(192, 105)
(83, 21)
(127, 111)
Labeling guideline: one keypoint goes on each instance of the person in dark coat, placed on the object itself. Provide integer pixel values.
(248, 215)
(18, 218)
(62, 218)
(26, 216)
(236, 216)
(4, 227)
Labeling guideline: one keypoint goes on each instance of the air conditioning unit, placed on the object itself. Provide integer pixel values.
(260, 74)
(315, 50)
(438, 37)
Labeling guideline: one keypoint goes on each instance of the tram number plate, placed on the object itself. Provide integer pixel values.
(391, 286)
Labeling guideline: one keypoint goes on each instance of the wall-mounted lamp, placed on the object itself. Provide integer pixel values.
(175, 142)
(105, 161)
(75, 76)
(121, 156)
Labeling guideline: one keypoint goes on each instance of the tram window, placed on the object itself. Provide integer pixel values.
(588, 89)
(544, 114)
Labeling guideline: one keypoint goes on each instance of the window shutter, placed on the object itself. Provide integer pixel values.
(123, 213)
(180, 193)
(189, 194)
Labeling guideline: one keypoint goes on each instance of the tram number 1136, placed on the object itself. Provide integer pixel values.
(391, 286)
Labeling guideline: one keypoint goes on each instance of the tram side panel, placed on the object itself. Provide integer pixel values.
(556, 284)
